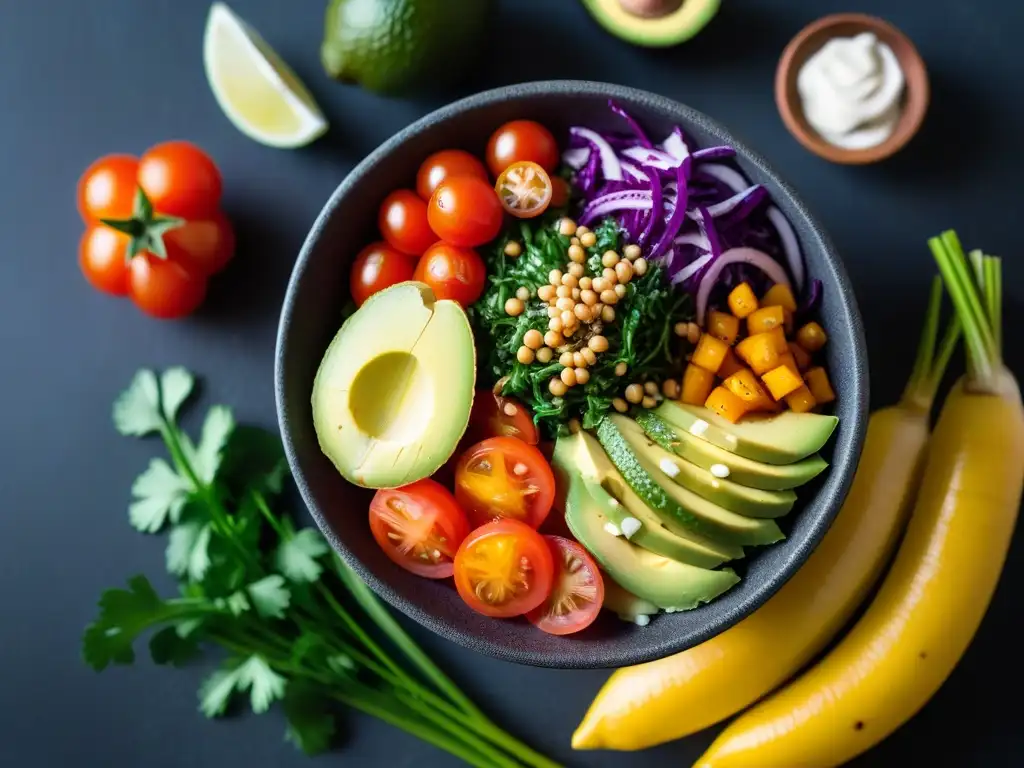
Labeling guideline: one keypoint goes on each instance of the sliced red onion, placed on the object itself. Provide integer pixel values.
(695, 239)
(790, 245)
(741, 203)
(675, 221)
(655, 158)
(713, 153)
(751, 256)
(675, 144)
(634, 126)
(610, 167)
(692, 269)
(654, 184)
(733, 179)
(576, 158)
(706, 224)
(632, 171)
(626, 200)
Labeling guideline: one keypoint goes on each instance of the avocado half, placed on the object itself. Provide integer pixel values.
(653, 23)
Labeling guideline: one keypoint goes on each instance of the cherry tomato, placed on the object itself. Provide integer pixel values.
(447, 164)
(202, 246)
(419, 526)
(107, 188)
(465, 211)
(378, 266)
(497, 416)
(524, 189)
(559, 191)
(503, 477)
(403, 222)
(452, 273)
(522, 140)
(102, 257)
(504, 569)
(163, 288)
(180, 179)
(577, 594)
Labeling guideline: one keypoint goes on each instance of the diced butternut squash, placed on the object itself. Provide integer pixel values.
(742, 300)
(782, 381)
(745, 385)
(726, 404)
(710, 353)
(820, 386)
(723, 326)
(730, 364)
(779, 337)
(765, 319)
(781, 295)
(811, 337)
(759, 352)
(800, 400)
(789, 361)
(697, 384)
(801, 355)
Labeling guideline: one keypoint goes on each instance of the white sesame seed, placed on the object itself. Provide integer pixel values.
(731, 439)
(630, 525)
(642, 620)
(613, 529)
(699, 427)
(613, 502)
(719, 470)
(670, 468)
(520, 469)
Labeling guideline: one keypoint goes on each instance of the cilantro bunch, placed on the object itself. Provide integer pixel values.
(297, 625)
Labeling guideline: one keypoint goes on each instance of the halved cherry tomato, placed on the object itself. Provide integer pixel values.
(559, 191)
(504, 569)
(503, 477)
(181, 180)
(403, 222)
(447, 164)
(419, 526)
(497, 416)
(378, 266)
(465, 211)
(577, 594)
(163, 288)
(522, 140)
(452, 273)
(524, 189)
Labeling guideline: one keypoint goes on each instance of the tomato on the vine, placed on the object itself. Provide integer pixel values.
(503, 477)
(378, 266)
(181, 180)
(403, 222)
(162, 288)
(102, 256)
(522, 140)
(465, 211)
(444, 165)
(452, 273)
(577, 594)
(504, 569)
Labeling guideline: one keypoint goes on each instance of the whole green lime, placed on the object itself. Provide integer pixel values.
(391, 46)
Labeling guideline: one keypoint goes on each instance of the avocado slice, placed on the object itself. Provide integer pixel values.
(667, 583)
(580, 456)
(394, 390)
(653, 23)
(751, 502)
(754, 474)
(626, 605)
(671, 501)
(774, 439)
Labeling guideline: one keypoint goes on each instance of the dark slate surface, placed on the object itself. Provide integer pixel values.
(81, 79)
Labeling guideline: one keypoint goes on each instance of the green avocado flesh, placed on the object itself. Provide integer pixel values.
(625, 604)
(674, 27)
(753, 474)
(773, 439)
(394, 390)
(673, 502)
(581, 455)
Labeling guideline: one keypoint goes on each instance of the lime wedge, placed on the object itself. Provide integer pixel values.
(257, 91)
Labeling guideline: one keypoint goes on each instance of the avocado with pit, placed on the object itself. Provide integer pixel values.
(579, 457)
(780, 438)
(753, 474)
(653, 23)
(673, 502)
(394, 390)
(734, 497)
(666, 583)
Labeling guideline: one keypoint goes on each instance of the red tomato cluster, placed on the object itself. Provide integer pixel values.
(154, 228)
(486, 534)
(430, 234)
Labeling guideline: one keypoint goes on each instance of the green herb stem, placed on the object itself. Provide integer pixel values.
(929, 365)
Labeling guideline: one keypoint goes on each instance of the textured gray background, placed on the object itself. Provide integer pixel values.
(81, 79)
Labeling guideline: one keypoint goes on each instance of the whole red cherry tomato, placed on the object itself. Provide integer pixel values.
(452, 273)
(465, 211)
(447, 164)
(378, 266)
(522, 140)
(403, 222)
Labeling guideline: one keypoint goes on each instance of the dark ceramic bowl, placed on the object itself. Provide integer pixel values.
(312, 313)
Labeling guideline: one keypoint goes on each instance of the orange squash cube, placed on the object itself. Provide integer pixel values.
(723, 326)
(811, 337)
(766, 319)
(801, 355)
(800, 400)
(726, 404)
(710, 353)
(742, 300)
(781, 295)
(730, 365)
(759, 352)
(779, 337)
(820, 386)
(746, 387)
(789, 361)
(782, 380)
(697, 385)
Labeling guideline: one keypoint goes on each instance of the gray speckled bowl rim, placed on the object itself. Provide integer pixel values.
(847, 447)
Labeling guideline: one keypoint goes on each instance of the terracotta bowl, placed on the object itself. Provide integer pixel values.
(810, 39)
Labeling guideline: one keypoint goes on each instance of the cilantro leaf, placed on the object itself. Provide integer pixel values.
(137, 409)
(311, 726)
(188, 550)
(270, 596)
(254, 460)
(217, 429)
(160, 494)
(168, 646)
(216, 691)
(176, 385)
(237, 603)
(254, 675)
(296, 556)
